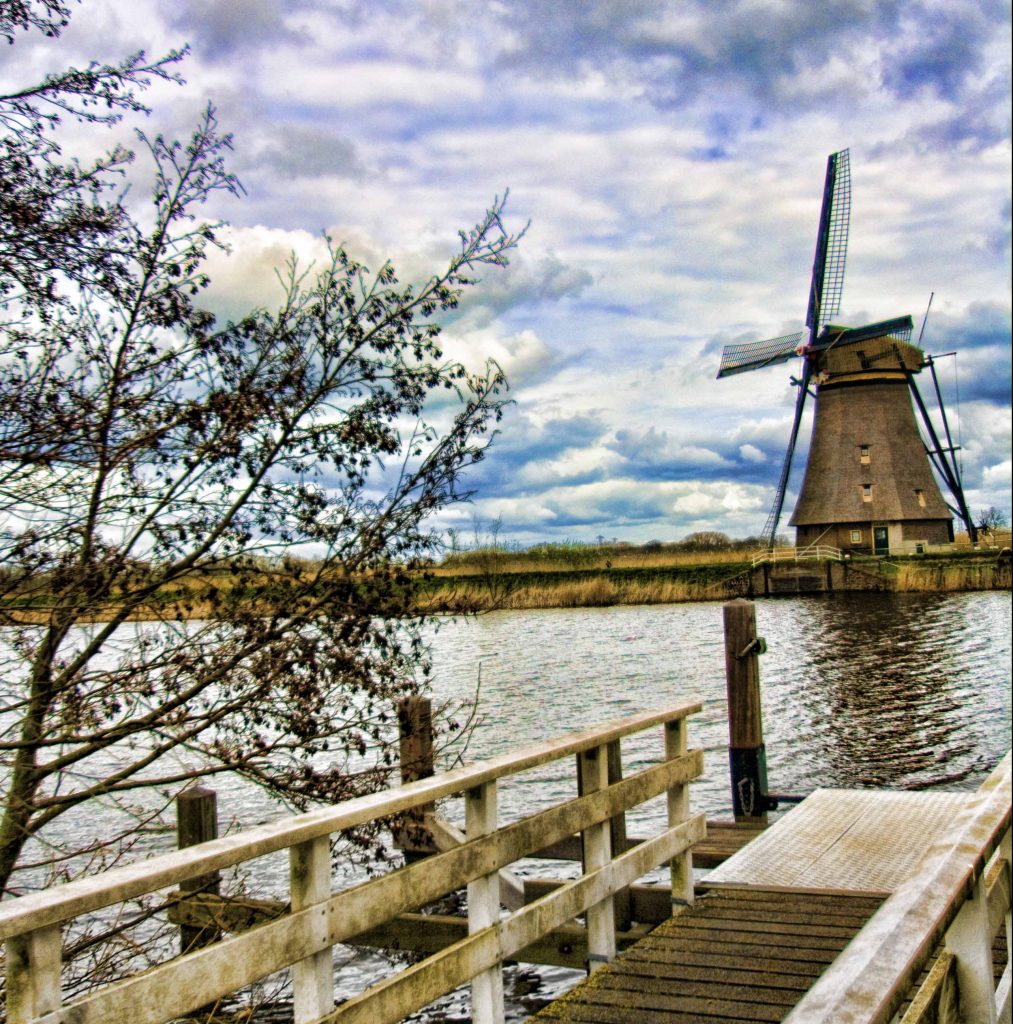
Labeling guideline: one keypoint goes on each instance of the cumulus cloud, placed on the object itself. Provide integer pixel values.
(250, 275)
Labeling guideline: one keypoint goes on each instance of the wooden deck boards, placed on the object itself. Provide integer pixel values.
(734, 956)
(772, 917)
(856, 840)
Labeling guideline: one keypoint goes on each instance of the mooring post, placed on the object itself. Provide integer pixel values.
(415, 728)
(197, 822)
(746, 754)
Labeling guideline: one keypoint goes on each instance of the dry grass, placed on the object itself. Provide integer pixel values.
(941, 577)
(598, 592)
(479, 563)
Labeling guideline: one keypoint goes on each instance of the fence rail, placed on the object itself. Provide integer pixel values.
(818, 552)
(302, 939)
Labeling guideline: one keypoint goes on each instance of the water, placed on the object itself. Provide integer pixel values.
(884, 690)
(888, 690)
(903, 691)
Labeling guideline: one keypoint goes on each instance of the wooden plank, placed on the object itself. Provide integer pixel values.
(650, 991)
(692, 956)
(657, 973)
(643, 1008)
(859, 840)
(723, 839)
(688, 970)
(85, 895)
(935, 1002)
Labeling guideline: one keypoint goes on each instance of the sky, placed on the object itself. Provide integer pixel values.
(669, 157)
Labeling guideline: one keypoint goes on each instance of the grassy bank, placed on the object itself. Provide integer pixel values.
(597, 587)
(489, 580)
(563, 577)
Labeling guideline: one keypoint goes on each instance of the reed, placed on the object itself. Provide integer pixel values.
(559, 558)
(951, 577)
(596, 592)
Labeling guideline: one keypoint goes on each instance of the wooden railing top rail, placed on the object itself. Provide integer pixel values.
(870, 979)
(820, 552)
(62, 903)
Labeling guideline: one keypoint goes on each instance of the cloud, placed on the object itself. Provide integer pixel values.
(304, 151)
(222, 29)
(670, 158)
(543, 279)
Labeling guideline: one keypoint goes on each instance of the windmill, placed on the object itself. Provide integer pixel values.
(869, 484)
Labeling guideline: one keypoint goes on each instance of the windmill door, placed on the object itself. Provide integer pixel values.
(881, 540)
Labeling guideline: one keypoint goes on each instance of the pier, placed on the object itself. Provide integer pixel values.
(856, 905)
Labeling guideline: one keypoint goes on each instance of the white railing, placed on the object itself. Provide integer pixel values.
(318, 919)
(818, 552)
(959, 894)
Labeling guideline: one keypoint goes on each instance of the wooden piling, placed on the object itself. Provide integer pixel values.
(415, 728)
(746, 752)
(197, 822)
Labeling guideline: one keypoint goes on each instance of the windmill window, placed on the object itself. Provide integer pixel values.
(866, 492)
(920, 495)
(863, 454)
(856, 536)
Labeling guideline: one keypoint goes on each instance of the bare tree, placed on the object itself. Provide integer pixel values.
(160, 474)
(988, 520)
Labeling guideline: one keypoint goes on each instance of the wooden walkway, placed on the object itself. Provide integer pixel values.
(771, 919)
(734, 956)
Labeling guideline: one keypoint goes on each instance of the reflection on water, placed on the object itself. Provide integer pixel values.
(891, 690)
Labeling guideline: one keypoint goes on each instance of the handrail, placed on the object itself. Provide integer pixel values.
(945, 895)
(815, 552)
(318, 919)
(169, 869)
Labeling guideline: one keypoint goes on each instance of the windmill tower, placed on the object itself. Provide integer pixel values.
(869, 485)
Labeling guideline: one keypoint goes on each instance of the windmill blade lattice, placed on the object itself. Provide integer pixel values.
(756, 354)
(831, 244)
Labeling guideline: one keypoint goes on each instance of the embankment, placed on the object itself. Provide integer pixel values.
(706, 582)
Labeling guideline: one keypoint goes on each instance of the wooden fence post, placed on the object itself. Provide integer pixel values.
(33, 974)
(678, 811)
(596, 848)
(622, 901)
(746, 753)
(415, 729)
(310, 885)
(480, 817)
(197, 822)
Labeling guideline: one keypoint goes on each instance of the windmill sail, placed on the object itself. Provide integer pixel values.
(831, 244)
(757, 354)
(824, 299)
(770, 527)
